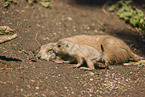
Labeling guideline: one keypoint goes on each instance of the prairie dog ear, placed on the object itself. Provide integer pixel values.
(65, 41)
(102, 48)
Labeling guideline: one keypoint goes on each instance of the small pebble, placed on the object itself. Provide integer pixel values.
(37, 87)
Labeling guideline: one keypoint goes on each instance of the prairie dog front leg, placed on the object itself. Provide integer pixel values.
(90, 65)
(80, 62)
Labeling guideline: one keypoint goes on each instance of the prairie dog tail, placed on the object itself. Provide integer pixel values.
(140, 62)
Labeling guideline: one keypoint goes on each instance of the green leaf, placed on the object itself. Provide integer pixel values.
(134, 21)
(6, 4)
(112, 8)
(142, 21)
(130, 14)
(126, 18)
(125, 9)
(124, 14)
(30, 1)
(45, 4)
(139, 13)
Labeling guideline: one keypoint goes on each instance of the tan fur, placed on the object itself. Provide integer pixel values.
(79, 51)
(115, 50)
(46, 52)
(140, 62)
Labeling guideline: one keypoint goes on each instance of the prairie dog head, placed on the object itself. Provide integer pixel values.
(63, 47)
(46, 52)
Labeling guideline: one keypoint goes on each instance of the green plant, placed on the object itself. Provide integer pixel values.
(119, 4)
(44, 3)
(129, 13)
(8, 2)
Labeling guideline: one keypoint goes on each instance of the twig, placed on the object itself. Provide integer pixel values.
(36, 39)
(103, 9)
(139, 32)
(43, 37)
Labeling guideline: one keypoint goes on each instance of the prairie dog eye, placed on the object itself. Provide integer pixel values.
(50, 50)
(67, 45)
(59, 46)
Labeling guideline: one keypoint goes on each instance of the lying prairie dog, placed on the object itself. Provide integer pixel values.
(115, 50)
(80, 52)
(46, 52)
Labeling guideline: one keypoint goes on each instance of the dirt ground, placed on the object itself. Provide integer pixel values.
(21, 74)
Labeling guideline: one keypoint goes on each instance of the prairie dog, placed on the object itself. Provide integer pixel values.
(80, 52)
(46, 52)
(115, 50)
